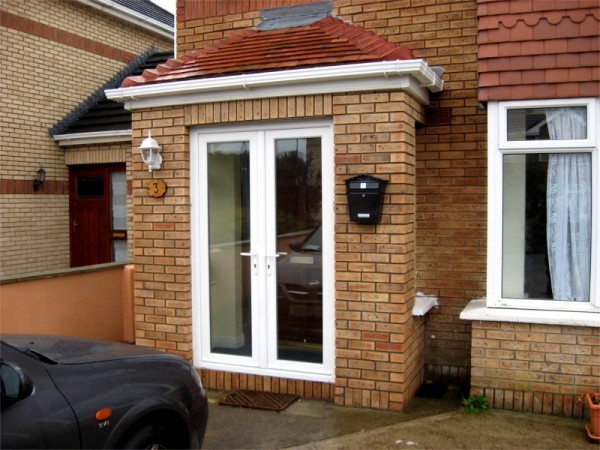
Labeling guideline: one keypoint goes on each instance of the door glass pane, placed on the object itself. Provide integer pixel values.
(299, 243)
(89, 187)
(119, 250)
(229, 238)
(118, 185)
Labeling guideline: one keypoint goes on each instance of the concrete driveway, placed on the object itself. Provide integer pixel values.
(427, 424)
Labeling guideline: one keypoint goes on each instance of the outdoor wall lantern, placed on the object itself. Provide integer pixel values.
(150, 151)
(39, 178)
(365, 197)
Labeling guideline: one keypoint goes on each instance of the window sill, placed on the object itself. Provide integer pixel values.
(477, 310)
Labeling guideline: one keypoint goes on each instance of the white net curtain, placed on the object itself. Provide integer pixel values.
(569, 204)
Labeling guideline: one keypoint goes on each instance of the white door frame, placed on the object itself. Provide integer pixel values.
(264, 360)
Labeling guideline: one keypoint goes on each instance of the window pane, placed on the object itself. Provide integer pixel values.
(546, 242)
(530, 124)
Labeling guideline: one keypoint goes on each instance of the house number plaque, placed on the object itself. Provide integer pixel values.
(156, 188)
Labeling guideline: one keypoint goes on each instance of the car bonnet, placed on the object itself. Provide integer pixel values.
(71, 350)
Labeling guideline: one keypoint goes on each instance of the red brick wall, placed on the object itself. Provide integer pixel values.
(535, 368)
(203, 21)
(451, 183)
(451, 160)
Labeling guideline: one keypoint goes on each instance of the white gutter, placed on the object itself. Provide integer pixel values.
(96, 137)
(413, 76)
(126, 14)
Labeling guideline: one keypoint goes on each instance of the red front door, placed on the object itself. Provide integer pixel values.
(98, 214)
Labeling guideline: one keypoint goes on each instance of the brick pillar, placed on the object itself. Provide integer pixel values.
(162, 253)
(379, 344)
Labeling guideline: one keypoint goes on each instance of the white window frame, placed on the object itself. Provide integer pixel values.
(498, 146)
(263, 324)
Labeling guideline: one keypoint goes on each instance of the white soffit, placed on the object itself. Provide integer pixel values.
(96, 137)
(413, 76)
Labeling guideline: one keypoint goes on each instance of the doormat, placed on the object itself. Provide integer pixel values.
(259, 400)
(431, 390)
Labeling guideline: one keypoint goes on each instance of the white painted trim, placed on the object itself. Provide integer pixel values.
(477, 310)
(414, 76)
(126, 14)
(499, 146)
(261, 363)
(97, 137)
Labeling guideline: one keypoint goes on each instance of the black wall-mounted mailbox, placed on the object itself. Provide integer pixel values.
(365, 197)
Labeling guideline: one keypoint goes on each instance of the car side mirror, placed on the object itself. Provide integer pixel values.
(15, 384)
(296, 246)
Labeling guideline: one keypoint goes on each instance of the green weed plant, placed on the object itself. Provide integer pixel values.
(475, 403)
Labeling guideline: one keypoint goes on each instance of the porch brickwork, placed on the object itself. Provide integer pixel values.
(448, 249)
(379, 344)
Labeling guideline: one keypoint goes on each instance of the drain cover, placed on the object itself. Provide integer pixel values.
(259, 400)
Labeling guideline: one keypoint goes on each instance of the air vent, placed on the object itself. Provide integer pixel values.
(438, 116)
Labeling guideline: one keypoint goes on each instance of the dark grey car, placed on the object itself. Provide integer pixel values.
(60, 392)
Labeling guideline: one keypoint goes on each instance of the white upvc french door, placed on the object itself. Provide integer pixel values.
(262, 249)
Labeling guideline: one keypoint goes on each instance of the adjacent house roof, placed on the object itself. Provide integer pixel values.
(327, 42)
(142, 13)
(148, 9)
(535, 50)
(98, 119)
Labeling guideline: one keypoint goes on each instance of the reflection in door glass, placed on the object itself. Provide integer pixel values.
(229, 234)
(299, 242)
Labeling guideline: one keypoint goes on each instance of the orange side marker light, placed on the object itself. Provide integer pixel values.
(103, 414)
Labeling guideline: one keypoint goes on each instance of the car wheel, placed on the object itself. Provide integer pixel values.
(151, 437)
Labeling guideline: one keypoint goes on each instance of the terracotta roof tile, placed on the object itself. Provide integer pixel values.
(328, 41)
(553, 47)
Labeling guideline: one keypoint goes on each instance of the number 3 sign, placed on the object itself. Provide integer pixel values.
(156, 188)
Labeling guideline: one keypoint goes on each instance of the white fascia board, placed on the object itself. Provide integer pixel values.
(414, 76)
(97, 137)
(116, 10)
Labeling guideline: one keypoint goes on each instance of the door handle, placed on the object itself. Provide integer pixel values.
(269, 257)
(253, 261)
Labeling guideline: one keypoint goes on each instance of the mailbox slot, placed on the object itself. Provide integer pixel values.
(365, 198)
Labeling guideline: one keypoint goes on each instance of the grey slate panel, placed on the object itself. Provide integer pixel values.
(293, 16)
